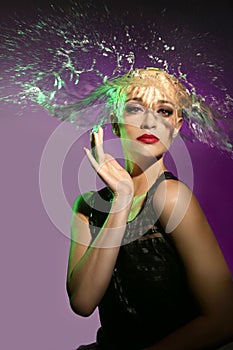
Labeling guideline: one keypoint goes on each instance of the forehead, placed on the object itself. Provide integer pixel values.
(149, 96)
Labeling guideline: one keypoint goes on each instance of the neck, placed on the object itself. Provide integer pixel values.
(144, 179)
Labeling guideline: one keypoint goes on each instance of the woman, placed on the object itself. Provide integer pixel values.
(142, 250)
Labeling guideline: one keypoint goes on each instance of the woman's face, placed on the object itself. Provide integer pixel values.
(150, 119)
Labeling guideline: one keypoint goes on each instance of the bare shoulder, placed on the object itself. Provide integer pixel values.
(171, 189)
(183, 219)
(172, 200)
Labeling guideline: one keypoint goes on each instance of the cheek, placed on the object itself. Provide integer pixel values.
(130, 131)
(167, 125)
(127, 130)
(165, 133)
(132, 120)
(130, 124)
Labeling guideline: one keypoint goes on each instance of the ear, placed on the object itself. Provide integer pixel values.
(115, 125)
(178, 125)
(175, 133)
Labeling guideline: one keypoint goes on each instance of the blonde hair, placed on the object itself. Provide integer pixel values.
(145, 82)
(201, 121)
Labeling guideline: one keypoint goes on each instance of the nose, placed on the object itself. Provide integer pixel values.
(148, 121)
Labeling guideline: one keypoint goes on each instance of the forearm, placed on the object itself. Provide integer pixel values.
(199, 334)
(90, 277)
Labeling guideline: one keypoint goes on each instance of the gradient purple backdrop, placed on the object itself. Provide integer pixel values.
(35, 312)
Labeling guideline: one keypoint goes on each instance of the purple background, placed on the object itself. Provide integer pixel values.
(35, 312)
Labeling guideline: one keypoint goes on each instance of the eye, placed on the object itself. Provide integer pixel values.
(134, 109)
(165, 111)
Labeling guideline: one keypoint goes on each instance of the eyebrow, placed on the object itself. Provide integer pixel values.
(139, 99)
(166, 101)
(134, 99)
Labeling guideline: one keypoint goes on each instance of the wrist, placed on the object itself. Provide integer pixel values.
(121, 203)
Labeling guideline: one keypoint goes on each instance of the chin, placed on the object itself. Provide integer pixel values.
(144, 159)
(141, 153)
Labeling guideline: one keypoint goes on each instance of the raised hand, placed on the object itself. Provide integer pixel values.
(111, 172)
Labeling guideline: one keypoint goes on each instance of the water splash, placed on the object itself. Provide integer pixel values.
(53, 61)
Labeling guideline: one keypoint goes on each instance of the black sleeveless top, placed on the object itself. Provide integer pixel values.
(148, 296)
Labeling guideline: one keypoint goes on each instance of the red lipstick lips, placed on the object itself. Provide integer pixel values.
(148, 138)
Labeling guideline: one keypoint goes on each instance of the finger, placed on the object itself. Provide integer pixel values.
(91, 159)
(93, 145)
(92, 140)
(98, 137)
(113, 161)
(101, 140)
(101, 133)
